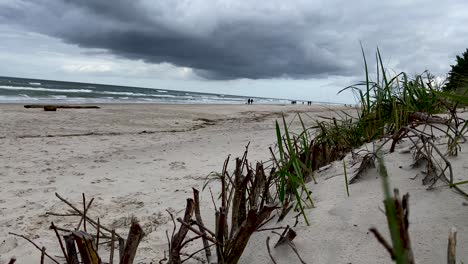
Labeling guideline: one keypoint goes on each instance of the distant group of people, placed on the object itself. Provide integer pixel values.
(249, 101)
(295, 102)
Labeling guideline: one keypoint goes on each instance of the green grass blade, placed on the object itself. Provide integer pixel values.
(390, 211)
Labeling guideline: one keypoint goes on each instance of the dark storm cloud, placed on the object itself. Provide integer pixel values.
(244, 39)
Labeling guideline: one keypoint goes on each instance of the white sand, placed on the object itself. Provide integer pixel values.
(130, 173)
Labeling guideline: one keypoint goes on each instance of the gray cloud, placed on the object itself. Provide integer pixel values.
(252, 39)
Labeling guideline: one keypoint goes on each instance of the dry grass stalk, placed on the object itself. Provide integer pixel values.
(401, 220)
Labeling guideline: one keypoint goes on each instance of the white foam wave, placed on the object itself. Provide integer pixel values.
(22, 88)
(136, 94)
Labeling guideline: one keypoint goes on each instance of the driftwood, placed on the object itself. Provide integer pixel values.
(86, 248)
(134, 237)
(78, 211)
(82, 247)
(452, 245)
(196, 198)
(71, 249)
(423, 117)
(178, 239)
(245, 197)
(245, 193)
(55, 107)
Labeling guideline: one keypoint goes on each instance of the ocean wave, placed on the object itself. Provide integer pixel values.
(135, 94)
(22, 88)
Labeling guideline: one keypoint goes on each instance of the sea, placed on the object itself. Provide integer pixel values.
(23, 90)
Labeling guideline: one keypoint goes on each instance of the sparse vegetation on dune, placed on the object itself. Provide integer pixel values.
(391, 109)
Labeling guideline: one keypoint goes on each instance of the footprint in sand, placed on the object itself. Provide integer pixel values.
(177, 165)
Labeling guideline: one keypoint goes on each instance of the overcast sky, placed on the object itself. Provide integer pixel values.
(288, 49)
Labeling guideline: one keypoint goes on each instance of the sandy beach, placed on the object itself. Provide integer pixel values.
(141, 160)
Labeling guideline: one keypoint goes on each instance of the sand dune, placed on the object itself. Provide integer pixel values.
(139, 160)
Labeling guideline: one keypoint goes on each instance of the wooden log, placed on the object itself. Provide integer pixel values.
(55, 107)
(50, 108)
(134, 237)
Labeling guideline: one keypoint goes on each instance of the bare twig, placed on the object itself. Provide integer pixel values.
(382, 241)
(175, 225)
(269, 250)
(84, 214)
(191, 228)
(58, 214)
(295, 251)
(187, 241)
(193, 222)
(81, 213)
(111, 257)
(97, 234)
(41, 249)
(196, 252)
(271, 228)
(42, 255)
(52, 226)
